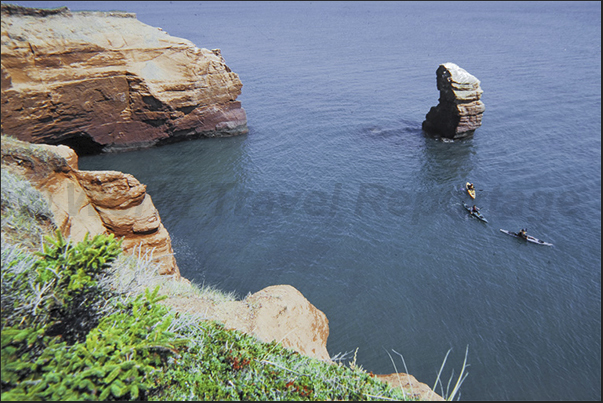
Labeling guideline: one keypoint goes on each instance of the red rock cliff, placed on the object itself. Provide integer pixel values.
(95, 202)
(104, 81)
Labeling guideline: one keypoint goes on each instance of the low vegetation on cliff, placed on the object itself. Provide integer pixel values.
(25, 212)
(77, 323)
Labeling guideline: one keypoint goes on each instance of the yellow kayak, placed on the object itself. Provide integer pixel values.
(470, 191)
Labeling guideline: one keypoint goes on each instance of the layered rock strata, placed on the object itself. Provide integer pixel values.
(459, 111)
(104, 81)
(94, 202)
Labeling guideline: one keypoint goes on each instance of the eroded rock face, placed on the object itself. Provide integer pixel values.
(278, 312)
(459, 111)
(281, 312)
(104, 81)
(97, 202)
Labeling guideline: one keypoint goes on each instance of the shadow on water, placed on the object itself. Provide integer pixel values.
(441, 160)
(186, 181)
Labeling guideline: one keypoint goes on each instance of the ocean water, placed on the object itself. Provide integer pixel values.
(338, 192)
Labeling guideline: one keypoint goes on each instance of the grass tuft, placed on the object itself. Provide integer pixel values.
(26, 214)
(131, 275)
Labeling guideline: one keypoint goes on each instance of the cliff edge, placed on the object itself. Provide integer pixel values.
(104, 81)
(104, 202)
(94, 202)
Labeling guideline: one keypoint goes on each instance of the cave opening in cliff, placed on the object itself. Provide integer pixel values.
(82, 144)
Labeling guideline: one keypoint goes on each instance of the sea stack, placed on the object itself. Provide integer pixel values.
(104, 81)
(459, 111)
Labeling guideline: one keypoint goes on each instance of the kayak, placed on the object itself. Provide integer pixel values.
(471, 192)
(530, 238)
(475, 213)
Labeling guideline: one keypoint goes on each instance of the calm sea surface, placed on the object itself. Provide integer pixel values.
(338, 192)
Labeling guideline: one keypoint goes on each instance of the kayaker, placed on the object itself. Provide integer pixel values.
(523, 234)
(470, 187)
(474, 209)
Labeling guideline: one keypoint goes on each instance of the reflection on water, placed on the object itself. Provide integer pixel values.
(445, 160)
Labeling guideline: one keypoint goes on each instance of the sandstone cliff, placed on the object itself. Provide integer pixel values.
(104, 81)
(98, 202)
(459, 111)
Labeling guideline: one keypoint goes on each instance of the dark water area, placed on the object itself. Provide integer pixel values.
(338, 192)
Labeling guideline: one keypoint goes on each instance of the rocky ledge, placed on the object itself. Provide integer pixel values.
(459, 111)
(94, 202)
(104, 81)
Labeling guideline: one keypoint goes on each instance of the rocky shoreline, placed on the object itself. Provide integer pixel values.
(117, 85)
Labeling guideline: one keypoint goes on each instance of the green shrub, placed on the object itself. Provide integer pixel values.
(59, 346)
(120, 359)
(53, 298)
(73, 272)
(66, 337)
